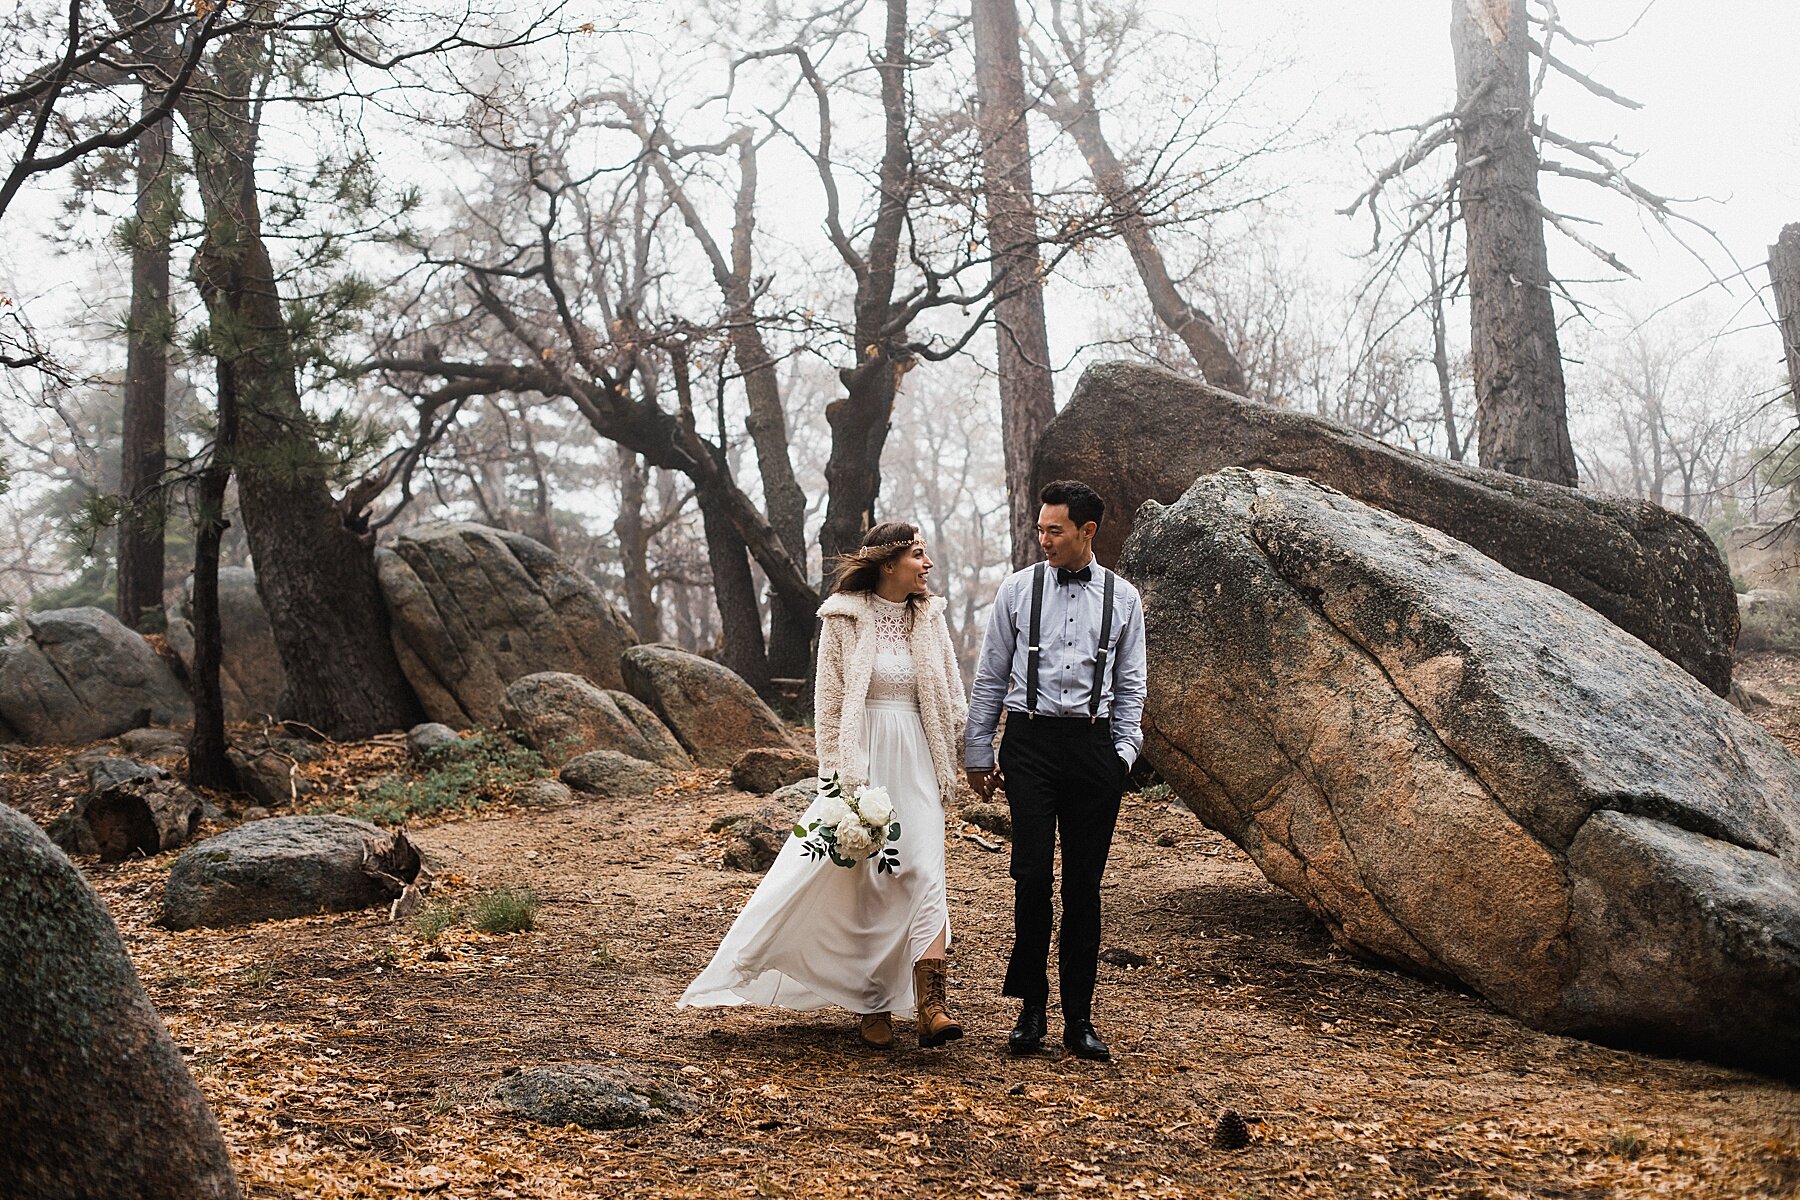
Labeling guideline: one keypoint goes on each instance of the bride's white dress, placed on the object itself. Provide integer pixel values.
(816, 934)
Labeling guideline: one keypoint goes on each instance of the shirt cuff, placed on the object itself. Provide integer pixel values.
(979, 758)
(1126, 751)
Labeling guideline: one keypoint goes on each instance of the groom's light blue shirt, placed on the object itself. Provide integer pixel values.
(1069, 632)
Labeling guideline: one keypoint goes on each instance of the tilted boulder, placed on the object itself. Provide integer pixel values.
(562, 716)
(1138, 433)
(713, 713)
(80, 676)
(94, 1097)
(475, 608)
(286, 867)
(1467, 773)
(250, 673)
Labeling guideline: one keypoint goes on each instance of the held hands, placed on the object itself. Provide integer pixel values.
(985, 783)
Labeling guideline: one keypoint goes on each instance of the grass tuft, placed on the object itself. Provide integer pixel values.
(506, 910)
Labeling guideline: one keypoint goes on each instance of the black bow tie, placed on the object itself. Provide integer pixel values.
(1066, 576)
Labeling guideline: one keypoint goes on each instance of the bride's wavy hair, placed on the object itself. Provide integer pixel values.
(859, 570)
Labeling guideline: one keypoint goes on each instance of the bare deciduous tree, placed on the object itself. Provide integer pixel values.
(1092, 46)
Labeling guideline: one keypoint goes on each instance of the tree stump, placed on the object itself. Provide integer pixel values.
(142, 816)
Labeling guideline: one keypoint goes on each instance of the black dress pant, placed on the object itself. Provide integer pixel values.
(1062, 775)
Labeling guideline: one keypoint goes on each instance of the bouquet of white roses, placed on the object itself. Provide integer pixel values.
(849, 828)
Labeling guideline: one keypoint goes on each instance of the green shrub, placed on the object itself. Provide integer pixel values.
(506, 910)
(454, 778)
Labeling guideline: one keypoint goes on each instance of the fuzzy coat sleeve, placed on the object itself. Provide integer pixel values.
(959, 698)
(828, 696)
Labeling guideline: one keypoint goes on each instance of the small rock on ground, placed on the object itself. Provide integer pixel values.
(590, 1095)
(429, 736)
(610, 773)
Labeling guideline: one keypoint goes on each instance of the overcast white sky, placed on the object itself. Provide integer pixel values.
(1721, 118)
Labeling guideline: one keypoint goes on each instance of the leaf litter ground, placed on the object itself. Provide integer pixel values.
(347, 1056)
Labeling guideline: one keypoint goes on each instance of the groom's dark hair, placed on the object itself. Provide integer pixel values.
(1083, 502)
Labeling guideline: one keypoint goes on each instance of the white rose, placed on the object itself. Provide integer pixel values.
(875, 806)
(853, 839)
(832, 810)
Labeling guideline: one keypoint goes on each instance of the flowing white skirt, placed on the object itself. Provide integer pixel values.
(816, 934)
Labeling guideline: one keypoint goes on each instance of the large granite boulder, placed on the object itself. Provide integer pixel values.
(80, 676)
(250, 674)
(562, 716)
(475, 608)
(1138, 433)
(285, 867)
(94, 1097)
(1467, 773)
(713, 713)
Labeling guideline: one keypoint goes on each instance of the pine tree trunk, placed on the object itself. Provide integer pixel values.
(1522, 424)
(1027, 395)
(143, 454)
(208, 763)
(316, 576)
(1784, 273)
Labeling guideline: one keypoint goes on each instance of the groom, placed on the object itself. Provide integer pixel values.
(1064, 655)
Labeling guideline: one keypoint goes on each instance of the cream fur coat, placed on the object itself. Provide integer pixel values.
(846, 665)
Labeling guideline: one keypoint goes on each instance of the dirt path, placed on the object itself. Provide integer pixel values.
(350, 1057)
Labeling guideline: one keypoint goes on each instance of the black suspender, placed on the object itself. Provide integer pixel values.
(1106, 606)
(1033, 648)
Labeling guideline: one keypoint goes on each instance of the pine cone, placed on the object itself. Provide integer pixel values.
(1231, 1133)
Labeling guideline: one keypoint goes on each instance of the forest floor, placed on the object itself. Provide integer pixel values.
(349, 1056)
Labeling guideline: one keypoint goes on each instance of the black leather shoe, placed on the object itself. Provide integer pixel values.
(1027, 1034)
(1081, 1041)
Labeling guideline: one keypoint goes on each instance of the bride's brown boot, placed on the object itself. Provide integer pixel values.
(878, 1030)
(931, 977)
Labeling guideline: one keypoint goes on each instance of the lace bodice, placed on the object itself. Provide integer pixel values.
(894, 678)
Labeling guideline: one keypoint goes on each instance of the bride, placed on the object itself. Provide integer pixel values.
(889, 708)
